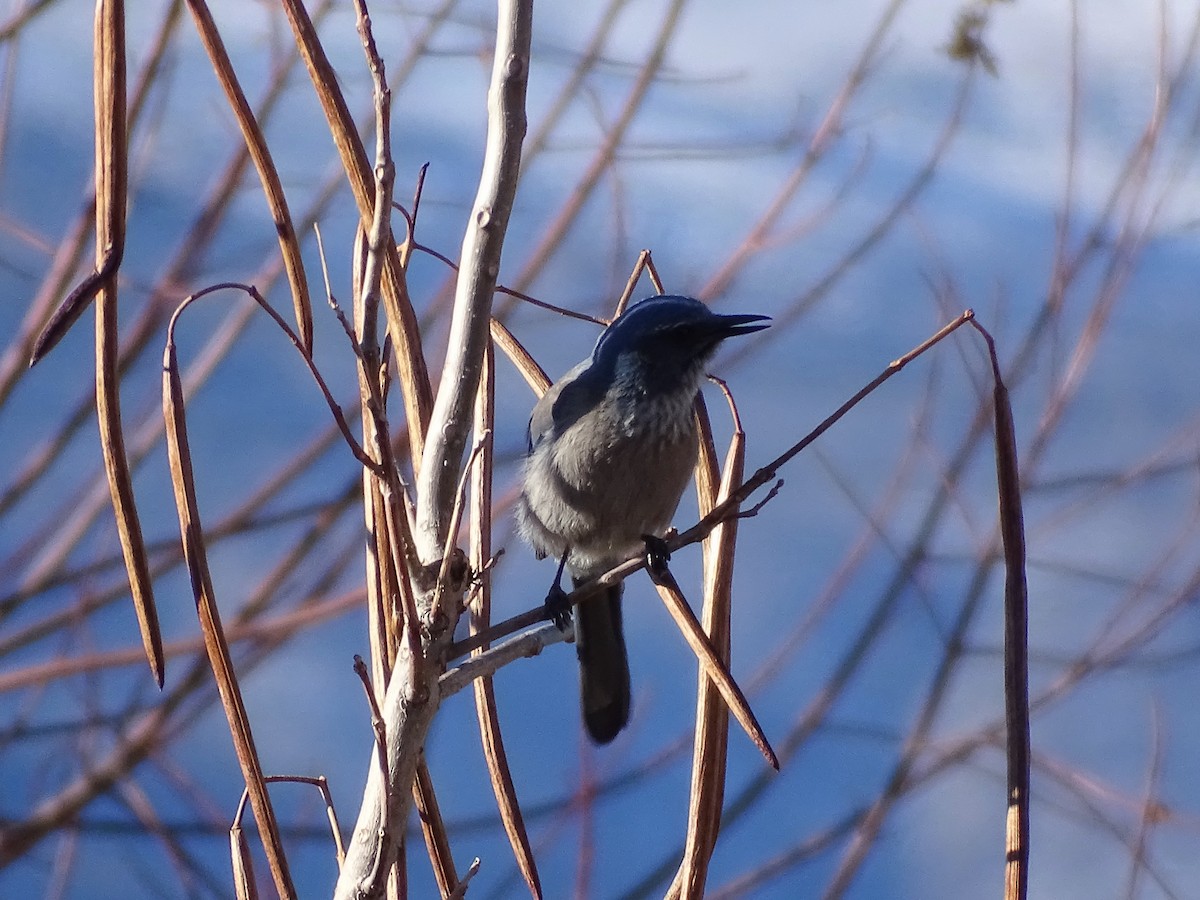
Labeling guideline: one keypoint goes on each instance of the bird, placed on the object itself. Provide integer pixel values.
(611, 448)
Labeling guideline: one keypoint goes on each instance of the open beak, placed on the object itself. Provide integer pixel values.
(731, 326)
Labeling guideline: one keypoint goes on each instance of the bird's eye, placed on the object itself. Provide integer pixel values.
(678, 334)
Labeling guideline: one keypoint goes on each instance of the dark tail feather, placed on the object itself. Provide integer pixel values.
(603, 665)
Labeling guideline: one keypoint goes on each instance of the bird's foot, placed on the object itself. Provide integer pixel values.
(558, 607)
(657, 555)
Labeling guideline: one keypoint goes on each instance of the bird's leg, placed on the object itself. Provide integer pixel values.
(657, 555)
(558, 610)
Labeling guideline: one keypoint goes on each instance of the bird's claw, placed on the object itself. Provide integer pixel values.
(658, 554)
(558, 607)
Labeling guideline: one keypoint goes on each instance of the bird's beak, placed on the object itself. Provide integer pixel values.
(731, 326)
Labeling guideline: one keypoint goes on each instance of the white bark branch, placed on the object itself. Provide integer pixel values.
(531, 643)
(414, 693)
(450, 424)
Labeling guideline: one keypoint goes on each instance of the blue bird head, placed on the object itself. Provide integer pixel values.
(668, 339)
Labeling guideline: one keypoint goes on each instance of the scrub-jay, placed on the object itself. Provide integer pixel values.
(612, 446)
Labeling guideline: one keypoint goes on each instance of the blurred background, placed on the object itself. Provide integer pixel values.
(860, 171)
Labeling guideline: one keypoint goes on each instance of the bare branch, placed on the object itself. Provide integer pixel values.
(413, 692)
(479, 264)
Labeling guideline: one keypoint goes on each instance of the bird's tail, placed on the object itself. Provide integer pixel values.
(603, 665)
